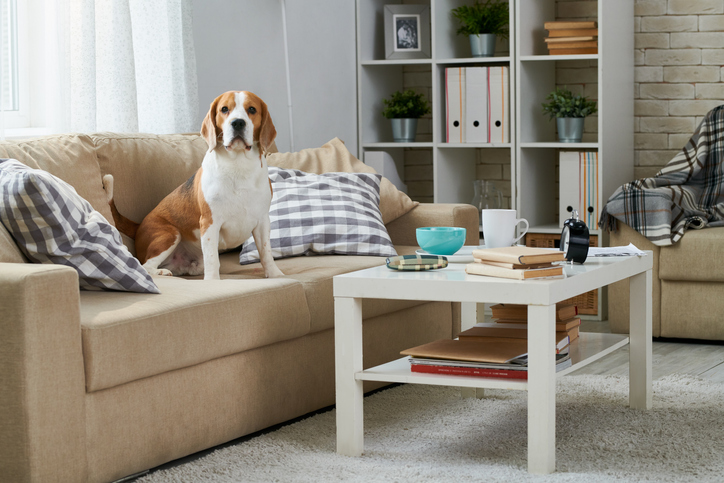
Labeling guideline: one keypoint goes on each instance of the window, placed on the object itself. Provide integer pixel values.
(9, 66)
(13, 102)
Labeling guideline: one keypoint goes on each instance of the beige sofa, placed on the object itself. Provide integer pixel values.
(688, 283)
(100, 385)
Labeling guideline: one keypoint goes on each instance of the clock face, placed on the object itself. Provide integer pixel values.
(565, 240)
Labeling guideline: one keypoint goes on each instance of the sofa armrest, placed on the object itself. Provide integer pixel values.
(618, 293)
(402, 230)
(42, 401)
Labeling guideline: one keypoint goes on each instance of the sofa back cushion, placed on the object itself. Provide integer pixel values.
(70, 157)
(334, 157)
(147, 167)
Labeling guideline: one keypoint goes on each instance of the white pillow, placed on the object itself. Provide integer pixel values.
(330, 213)
(51, 223)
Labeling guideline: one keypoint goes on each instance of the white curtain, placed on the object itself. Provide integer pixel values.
(124, 66)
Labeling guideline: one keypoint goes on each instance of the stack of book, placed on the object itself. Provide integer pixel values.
(517, 262)
(571, 38)
(498, 349)
(478, 353)
(512, 316)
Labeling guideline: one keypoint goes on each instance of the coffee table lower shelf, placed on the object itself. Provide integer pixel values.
(588, 348)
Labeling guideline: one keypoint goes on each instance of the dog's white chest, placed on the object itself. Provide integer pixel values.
(238, 197)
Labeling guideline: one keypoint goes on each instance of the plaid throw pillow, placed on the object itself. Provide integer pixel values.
(51, 223)
(331, 213)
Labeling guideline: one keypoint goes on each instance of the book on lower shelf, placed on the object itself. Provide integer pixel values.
(564, 311)
(517, 370)
(480, 355)
(515, 331)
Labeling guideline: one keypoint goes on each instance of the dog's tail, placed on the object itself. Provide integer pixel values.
(124, 225)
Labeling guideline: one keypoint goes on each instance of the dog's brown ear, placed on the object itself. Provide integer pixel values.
(208, 127)
(267, 131)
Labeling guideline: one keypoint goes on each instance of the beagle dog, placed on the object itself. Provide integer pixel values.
(221, 205)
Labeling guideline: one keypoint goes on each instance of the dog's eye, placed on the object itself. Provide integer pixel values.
(224, 109)
(251, 110)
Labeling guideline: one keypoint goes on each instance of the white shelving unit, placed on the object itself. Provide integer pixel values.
(536, 146)
(453, 164)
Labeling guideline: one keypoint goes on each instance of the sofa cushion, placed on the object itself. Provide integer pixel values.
(127, 337)
(324, 214)
(52, 224)
(147, 167)
(70, 157)
(334, 156)
(692, 310)
(696, 257)
(315, 273)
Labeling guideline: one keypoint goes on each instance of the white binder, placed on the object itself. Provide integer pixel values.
(589, 189)
(455, 104)
(569, 193)
(476, 102)
(499, 102)
(578, 188)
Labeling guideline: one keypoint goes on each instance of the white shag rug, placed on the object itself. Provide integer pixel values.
(419, 434)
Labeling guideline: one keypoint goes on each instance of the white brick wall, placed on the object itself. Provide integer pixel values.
(678, 83)
(678, 73)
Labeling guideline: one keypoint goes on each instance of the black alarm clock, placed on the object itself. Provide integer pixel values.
(575, 239)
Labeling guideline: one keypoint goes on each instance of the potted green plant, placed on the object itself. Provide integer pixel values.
(569, 111)
(483, 23)
(403, 109)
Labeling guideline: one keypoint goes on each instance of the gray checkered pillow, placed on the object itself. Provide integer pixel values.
(51, 223)
(324, 213)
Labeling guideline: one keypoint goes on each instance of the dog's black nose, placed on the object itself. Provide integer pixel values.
(238, 124)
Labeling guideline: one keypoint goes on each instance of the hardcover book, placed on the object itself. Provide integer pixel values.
(519, 255)
(513, 273)
(520, 311)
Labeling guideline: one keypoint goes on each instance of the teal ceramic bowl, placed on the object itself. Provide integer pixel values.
(441, 240)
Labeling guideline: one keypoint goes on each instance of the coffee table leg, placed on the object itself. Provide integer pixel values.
(541, 389)
(348, 361)
(640, 385)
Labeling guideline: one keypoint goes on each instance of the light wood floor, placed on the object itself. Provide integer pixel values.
(700, 358)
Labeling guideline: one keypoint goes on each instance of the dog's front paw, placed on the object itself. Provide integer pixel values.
(211, 276)
(159, 271)
(273, 272)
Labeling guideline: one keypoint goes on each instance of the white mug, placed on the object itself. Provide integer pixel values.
(499, 228)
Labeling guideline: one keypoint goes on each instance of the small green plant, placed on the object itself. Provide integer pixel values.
(489, 17)
(564, 104)
(406, 105)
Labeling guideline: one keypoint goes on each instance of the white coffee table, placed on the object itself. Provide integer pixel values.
(454, 285)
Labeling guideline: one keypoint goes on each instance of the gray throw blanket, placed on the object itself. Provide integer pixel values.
(687, 193)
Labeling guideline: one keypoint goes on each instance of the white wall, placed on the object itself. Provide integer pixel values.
(240, 46)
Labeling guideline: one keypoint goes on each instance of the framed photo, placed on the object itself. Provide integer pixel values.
(407, 31)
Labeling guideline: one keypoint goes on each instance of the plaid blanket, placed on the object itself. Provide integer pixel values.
(687, 193)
